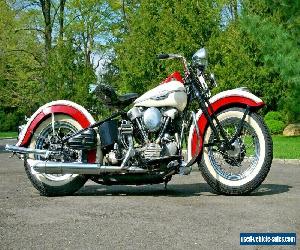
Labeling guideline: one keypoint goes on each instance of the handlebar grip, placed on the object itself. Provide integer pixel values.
(163, 56)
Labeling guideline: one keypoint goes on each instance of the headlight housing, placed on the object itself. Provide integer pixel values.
(200, 58)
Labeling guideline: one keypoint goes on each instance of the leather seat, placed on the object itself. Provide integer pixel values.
(109, 96)
(128, 98)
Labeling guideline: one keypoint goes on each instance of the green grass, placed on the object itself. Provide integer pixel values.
(8, 134)
(286, 147)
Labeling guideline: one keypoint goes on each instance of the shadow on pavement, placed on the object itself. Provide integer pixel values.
(173, 190)
(176, 190)
(270, 189)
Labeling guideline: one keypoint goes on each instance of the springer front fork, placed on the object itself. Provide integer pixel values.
(221, 138)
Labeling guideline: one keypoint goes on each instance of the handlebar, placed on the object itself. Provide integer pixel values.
(162, 56)
(169, 56)
(175, 56)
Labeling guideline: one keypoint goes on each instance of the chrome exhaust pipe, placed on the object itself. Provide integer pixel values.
(49, 167)
(22, 150)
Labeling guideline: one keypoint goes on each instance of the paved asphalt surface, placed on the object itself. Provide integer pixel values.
(186, 216)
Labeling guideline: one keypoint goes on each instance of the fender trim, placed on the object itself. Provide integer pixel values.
(230, 98)
(76, 111)
(72, 109)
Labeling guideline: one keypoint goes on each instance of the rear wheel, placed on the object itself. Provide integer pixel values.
(47, 136)
(242, 169)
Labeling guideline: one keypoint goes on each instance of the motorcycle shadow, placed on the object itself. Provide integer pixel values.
(173, 190)
(270, 189)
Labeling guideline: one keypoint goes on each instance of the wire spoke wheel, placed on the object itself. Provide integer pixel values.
(48, 136)
(242, 168)
(51, 140)
(236, 164)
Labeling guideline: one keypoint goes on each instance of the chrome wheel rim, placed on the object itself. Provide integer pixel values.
(47, 139)
(240, 162)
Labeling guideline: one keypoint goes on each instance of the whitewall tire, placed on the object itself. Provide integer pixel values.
(247, 166)
(47, 184)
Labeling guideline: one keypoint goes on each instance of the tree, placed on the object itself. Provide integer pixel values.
(46, 9)
(260, 50)
(48, 51)
(19, 67)
(19, 61)
(275, 25)
(161, 26)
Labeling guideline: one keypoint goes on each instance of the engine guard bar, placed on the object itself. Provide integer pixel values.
(49, 167)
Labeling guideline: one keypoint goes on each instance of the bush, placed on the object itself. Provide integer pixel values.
(274, 115)
(276, 127)
(8, 121)
(275, 122)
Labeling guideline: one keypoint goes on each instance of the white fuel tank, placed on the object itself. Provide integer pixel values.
(171, 94)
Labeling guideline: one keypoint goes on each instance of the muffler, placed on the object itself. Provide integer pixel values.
(22, 150)
(49, 167)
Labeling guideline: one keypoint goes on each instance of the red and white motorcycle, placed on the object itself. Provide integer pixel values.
(63, 146)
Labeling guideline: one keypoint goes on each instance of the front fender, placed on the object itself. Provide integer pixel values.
(79, 113)
(239, 97)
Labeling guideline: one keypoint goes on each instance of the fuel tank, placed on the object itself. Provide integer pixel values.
(170, 94)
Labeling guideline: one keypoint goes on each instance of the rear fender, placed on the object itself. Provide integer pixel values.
(232, 98)
(77, 112)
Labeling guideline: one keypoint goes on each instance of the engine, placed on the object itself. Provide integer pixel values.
(148, 134)
(152, 119)
(153, 126)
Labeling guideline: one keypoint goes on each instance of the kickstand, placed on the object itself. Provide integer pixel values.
(166, 180)
(166, 183)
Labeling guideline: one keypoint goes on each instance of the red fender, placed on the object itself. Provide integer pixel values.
(226, 99)
(77, 112)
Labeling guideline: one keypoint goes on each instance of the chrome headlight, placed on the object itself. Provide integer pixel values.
(200, 58)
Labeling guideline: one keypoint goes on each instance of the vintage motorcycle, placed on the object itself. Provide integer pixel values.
(62, 146)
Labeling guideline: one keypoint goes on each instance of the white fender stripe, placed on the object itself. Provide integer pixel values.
(59, 102)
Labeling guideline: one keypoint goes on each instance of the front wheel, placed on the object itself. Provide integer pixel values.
(243, 168)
